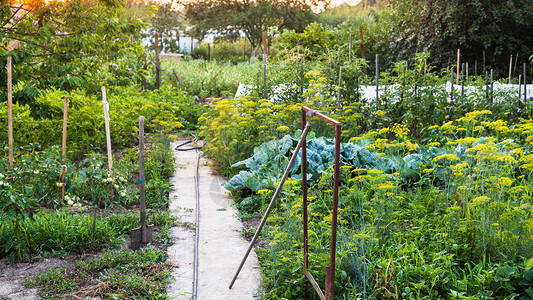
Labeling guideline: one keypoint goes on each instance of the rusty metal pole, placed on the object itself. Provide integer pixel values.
(304, 190)
(330, 270)
(272, 201)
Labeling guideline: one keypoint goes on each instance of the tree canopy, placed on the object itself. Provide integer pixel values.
(251, 17)
(68, 45)
(500, 28)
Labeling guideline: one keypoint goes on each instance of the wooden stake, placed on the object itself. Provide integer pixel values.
(10, 111)
(64, 147)
(377, 81)
(466, 70)
(458, 63)
(264, 43)
(264, 65)
(462, 80)
(142, 204)
(340, 88)
(510, 68)
(484, 65)
(525, 83)
(108, 139)
(491, 86)
(519, 92)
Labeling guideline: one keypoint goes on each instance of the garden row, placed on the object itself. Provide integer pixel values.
(38, 221)
(435, 200)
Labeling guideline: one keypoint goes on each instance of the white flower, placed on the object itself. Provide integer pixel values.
(69, 202)
(35, 171)
(116, 186)
(1, 176)
(59, 184)
(121, 178)
(123, 194)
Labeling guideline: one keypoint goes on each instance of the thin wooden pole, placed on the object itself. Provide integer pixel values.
(519, 92)
(10, 111)
(458, 63)
(462, 80)
(510, 68)
(142, 203)
(377, 81)
(64, 148)
(487, 86)
(525, 83)
(340, 88)
(466, 70)
(484, 63)
(264, 65)
(491, 86)
(108, 139)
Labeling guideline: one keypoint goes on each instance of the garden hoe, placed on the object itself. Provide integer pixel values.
(142, 235)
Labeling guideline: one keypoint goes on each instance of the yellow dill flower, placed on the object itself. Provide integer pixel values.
(500, 181)
(480, 200)
(433, 127)
(446, 157)
(454, 208)
(434, 144)
(498, 125)
(467, 140)
(380, 143)
(383, 130)
(448, 127)
(263, 191)
(374, 172)
(410, 146)
(518, 189)
(282, 128)
(400, 130)
(380, 113)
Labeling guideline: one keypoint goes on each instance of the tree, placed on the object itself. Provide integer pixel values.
(500, 28)
(164, 19)
(68, 45)
(251, 17)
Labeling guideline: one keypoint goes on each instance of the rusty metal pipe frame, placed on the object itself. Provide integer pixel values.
(273, 200)
(330, 270)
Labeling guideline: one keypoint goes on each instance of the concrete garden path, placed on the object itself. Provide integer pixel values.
(221, 245)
